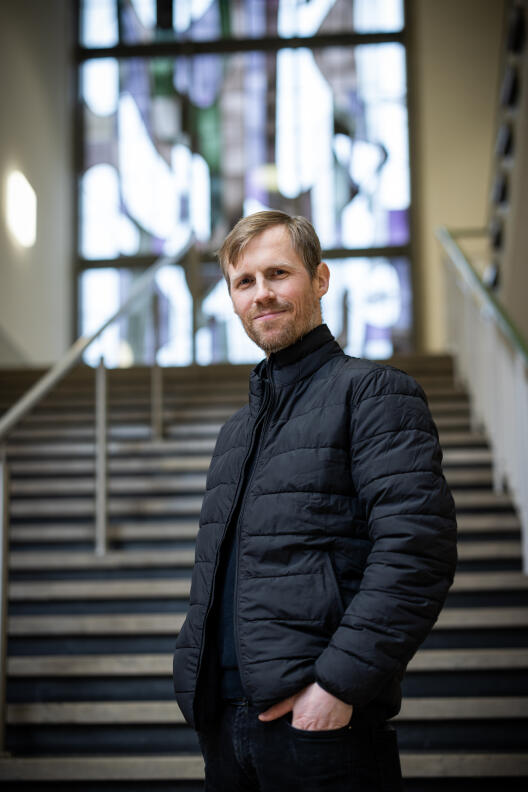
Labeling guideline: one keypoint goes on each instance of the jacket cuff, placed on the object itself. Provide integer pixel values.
(331, 688)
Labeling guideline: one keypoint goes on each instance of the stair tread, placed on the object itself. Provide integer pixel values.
(190, 766)
(486, 618)
(142, 712)
(70, 479)
(468, 659)
(187, 529)
(131, 505)
(118, 448)
(96, 624)
(175, 483)
(490, 581)
(472, 523)
(481, 499)
(425, 660)
(99, 589)
(74, 467)
(145, 558)
(480, 550)
(162, 623)
(180, 587)
(113, 560)
(470, 707)
(181, 529)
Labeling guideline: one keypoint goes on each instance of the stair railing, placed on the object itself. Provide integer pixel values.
(491, 359)
(33, 396)
(59, 370)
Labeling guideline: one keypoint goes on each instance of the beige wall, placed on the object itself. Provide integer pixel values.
(514, 260)
(456, 51)
(36, 138)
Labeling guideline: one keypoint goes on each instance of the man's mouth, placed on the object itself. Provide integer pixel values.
(269, 314)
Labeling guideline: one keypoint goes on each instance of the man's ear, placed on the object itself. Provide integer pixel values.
(322, 278)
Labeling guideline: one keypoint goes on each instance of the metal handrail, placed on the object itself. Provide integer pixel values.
(472, 278)
(74, 353)
(491, 358)
(29, 400)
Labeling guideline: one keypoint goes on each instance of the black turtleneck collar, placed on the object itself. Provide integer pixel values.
(310, 342)
(295, 362)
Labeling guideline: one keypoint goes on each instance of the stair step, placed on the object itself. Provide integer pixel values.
(486, 618)
(117, 505)
(77, 415)
(164, 767)
(139, 447)
(460, 438)
(163, 624)
(72, 532)
(91, 665)
(145, 712)
(466, 659)
(150, 665)
(481, 499)
(121, 431)
(468, 477)
(71, 482)
(457, 457)
(475, 551)
(84, 712)
(100, 590)
(467, 708)
(490, 581)
(114, 560)
(476, 523)
(176, 588)
(187, 482)
(76, 467)
(168, 505)
(187, 529)
(463, 765)
(167, 558)
(108, 624)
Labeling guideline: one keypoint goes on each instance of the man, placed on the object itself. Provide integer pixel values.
(326, 547)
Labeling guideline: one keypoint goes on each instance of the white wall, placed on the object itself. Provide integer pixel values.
(456, 59)
(36, 91)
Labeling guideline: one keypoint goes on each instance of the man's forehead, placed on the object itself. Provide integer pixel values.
(270, 238)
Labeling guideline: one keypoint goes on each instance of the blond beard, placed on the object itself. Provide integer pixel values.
(289, 334)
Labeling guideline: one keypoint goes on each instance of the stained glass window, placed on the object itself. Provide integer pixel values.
(106, 22)
(197, 142)
(187, 144)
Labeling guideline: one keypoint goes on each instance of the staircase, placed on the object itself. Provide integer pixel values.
(90, 701)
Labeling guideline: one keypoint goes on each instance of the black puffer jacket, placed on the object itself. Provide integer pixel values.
(347, 534)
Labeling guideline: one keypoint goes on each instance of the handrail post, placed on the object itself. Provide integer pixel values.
(101, 483)
(156, 401)
(4, 572)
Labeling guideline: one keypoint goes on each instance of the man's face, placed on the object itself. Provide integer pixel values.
(273, 293)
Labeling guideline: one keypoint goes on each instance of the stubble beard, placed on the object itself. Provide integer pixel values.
(289, 333)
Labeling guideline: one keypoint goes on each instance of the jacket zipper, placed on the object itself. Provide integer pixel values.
(266, 406)
(226, 527)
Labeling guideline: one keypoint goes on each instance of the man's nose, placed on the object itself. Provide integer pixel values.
(264, 291)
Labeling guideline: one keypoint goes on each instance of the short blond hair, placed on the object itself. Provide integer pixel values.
(304, 240)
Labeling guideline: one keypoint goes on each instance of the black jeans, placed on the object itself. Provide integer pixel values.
(242, 754)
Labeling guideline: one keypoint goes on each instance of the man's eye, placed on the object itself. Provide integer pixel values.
(280, 271)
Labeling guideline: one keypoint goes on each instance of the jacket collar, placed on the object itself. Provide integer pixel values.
(293, 363)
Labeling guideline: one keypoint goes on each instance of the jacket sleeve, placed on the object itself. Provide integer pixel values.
(396, 470)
